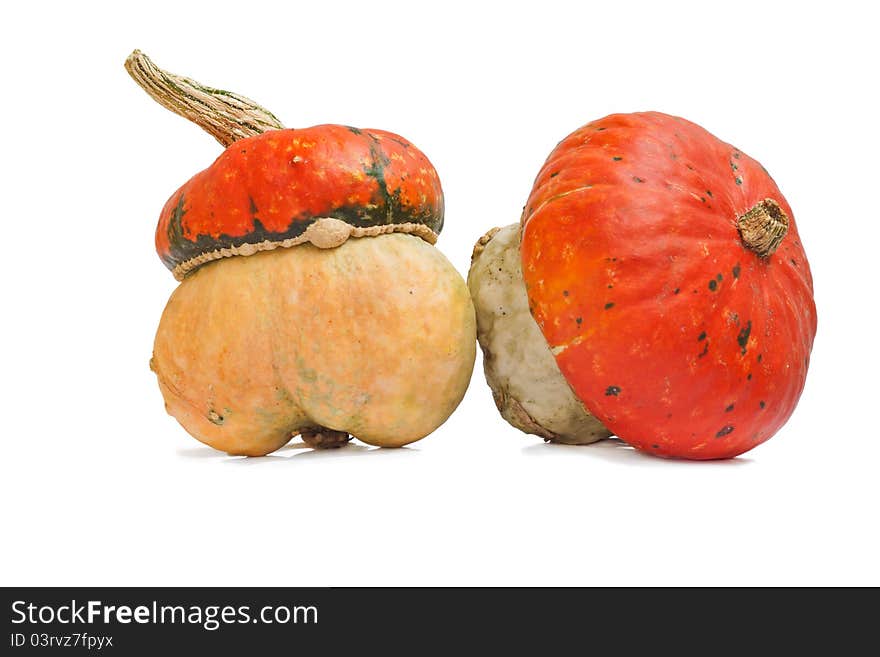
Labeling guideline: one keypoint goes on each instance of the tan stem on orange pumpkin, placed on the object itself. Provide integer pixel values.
(763, 227)
(226, 116)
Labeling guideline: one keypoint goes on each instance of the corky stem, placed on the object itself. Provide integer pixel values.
(324, 438)
(763, 227)
(228, 117)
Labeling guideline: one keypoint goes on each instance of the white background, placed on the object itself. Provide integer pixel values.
(100, 487)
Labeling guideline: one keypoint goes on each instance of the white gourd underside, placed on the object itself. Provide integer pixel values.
(528, 387)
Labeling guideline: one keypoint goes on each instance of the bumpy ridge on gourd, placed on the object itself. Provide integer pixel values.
(325, 233)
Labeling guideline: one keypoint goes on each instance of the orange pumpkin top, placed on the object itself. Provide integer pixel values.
(672, 329)
(272, 186)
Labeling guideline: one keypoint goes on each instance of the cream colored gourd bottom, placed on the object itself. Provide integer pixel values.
(529, 390)
(375, 337)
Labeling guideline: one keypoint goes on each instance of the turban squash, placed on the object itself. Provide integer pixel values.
(312, 300)
(664, 271)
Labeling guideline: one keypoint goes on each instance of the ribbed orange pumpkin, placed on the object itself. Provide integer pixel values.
(658, 275)
(665, 270)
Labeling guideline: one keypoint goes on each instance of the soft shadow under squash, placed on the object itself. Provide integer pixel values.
(615, 450)
(298, 450)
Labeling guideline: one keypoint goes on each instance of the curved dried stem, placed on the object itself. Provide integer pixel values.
(226, 116)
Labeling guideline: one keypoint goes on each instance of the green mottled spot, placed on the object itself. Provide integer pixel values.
(308, 374)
